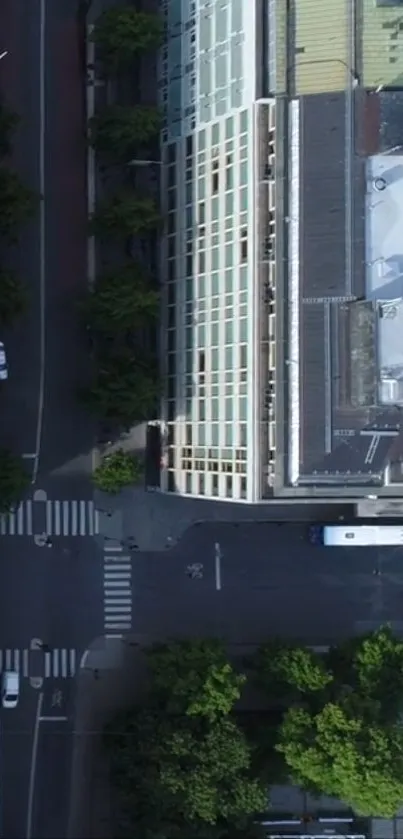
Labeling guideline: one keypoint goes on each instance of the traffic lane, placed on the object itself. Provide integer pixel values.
(17, 726)
(56, 593)
(291, 588)
(52, 778)
(68, 431)
(20, 86)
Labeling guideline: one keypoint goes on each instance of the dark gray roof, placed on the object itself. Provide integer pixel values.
(338, 369)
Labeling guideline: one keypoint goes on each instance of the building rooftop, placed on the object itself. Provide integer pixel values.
(345, 366)
(381, 30)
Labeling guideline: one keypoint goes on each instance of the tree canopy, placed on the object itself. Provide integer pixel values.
(123, 391)
(17, 203)
(8, 123)
(347, 756)
(13, 297)
(14, 480)
(121, 301)
(122, 33)
(289, 671)
(120, 131)
(195, 678)
(116, 471)
(124, 214)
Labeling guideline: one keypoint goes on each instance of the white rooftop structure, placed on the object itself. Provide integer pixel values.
(384, 274)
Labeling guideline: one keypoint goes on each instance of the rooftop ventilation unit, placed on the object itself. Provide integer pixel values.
(379, 184)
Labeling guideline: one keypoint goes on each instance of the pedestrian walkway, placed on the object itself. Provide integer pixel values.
(56, 518)
(19, 522)
(71, 518)
(59, 663)
(117, 592)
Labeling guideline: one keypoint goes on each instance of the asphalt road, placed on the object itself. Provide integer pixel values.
(54, 594)
(273, 581)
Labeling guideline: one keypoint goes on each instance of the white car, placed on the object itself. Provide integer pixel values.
(3, 362)
(10, 689)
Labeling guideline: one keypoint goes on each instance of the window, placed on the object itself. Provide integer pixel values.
(214, 182)
(244, 245)
(214, 484)
(188, 485)
(215, 135)
(202, 214)
(229, 178)
(243, 356)
(229, 127)
(243, 487)
(228, 486)
(202, 362)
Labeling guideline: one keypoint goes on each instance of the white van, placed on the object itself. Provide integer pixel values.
(10, 688)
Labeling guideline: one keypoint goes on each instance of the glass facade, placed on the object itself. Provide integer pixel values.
(208, 259)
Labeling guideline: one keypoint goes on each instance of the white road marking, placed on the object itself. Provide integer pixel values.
(114, 635)
(74, 517)
(25, 663)
(9, 660)
(32, 773)
(57, 527)
(82, 517)
(112, 548)
(49, 517)
(42, 255)
(217, 557)
(29, 518)
(53, 719)
(12, 524)
(117, 626)
(65, 517)
(28, 456)
(48, 664)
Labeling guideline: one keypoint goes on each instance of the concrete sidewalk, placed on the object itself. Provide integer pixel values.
(113, 677)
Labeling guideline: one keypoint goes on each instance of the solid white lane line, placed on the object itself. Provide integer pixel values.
(25, 663)
(118, 567)
(56, 508)
(12, 524)
(29, 518)
(117, 626)
(48, 665)
(72, 662)
(117, 601)
(49, 529)
(91, 518)
(74, 507)
(83, 510)
(42, 254)
(32, 773)
(116, 584)
(63, 654)
(66, 507)
(217, 557)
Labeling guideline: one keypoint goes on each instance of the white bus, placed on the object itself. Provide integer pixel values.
(358, 535)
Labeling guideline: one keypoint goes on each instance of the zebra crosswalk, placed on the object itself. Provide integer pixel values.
(56, 518)
(58, 663)
(117, 592)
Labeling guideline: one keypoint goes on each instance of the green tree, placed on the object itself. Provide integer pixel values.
(287, 672)
(124, 391)
(17, 203)
(195, 678)
(346, 756)
(13, 297)
(8, 123)
(121, 301)
(117, 470)
(14, 480)
(125, 214)
(372, 665)
(120, 131)
(122, 33)
(183, 775)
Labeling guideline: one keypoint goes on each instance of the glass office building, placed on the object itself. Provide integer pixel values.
(218, 251)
